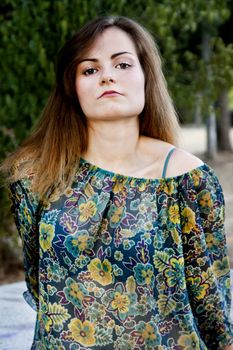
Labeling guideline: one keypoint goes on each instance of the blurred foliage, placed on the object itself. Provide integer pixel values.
(32, 31)
(231, 99)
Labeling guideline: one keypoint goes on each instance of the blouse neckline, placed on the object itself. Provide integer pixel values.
(94, 167)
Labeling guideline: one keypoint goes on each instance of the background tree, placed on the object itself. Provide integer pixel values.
(224, 76)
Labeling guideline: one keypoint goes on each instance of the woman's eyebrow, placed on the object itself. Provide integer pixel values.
(112, 56)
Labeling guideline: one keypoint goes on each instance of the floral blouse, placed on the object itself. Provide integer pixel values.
(126, 263)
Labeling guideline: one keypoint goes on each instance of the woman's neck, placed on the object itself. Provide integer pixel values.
(113, 143)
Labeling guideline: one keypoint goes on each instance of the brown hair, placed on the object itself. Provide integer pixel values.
(51, 153)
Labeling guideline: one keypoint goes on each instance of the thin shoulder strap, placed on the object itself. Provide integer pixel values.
(166, 161)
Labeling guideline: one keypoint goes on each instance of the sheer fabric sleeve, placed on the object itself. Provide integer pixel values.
(25, 209)
(206, 260)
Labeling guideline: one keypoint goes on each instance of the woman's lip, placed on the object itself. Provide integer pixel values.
(109, 93)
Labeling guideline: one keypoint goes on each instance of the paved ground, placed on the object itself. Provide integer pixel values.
(17, 318)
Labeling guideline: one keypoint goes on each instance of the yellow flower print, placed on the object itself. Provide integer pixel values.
(101, 271)
(201, 261)
(169, 187)
(87, 210)
(174, 214)
(119, 185)
(148, 227)
(142, 186)
(174, 273)
(82, 332)
(142, 208)
(196, 175)
(206, 200)
(81, 241)
(102, 309)
(130, 284)
(189, 341)
(143, 299)
(148, 275)
(111, 324)
(75, 292)
(148, 332)
(119, 329)
(117, 215)
(198, 288)
(210, 240)
(188, 217)
(46, 235)
(120, 302)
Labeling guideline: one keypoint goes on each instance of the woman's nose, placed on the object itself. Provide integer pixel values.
(107, 78)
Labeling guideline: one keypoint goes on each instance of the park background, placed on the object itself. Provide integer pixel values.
(195, 39)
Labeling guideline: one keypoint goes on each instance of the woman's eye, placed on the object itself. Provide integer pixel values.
(89, 71)
(123, 65)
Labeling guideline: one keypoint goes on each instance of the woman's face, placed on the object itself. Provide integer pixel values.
(110, 80)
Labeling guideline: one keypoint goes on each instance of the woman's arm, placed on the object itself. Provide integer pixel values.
(25, 208)
(206, 261)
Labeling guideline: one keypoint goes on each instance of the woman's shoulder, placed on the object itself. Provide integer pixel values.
(179, 161)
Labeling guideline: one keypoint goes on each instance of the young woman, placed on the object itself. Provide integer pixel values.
(123, 233)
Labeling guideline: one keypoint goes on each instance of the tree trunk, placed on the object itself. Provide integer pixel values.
(211, 134)
(197, 113)
(211, 121)
(223, 124)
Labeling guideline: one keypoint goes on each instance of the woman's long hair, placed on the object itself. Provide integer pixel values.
(52, 152)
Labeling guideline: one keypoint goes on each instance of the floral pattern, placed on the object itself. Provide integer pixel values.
(189, 341)
(75, 292)
(46, 235)
(125, 263)
(82, 332)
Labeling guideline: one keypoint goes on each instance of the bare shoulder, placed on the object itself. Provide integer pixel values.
(179, 163)
(182, 162)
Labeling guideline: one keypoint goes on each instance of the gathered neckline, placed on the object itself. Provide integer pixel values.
(133, 178)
